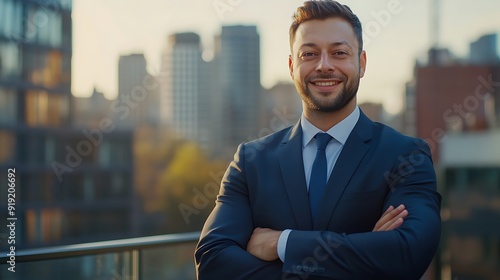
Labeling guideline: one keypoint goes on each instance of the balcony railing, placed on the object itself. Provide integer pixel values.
(167, 256)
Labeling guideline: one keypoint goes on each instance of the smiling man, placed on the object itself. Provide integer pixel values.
(317, 200)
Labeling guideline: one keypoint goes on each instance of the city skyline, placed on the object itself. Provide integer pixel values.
(104, 30)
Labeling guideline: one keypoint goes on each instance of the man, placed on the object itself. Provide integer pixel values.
(315, 201)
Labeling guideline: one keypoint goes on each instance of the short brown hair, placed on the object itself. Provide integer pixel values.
(324, 9)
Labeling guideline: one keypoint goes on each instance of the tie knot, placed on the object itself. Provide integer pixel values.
(322, 140)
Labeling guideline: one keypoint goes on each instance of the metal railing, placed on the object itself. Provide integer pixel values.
(101, 247)
(129, 253)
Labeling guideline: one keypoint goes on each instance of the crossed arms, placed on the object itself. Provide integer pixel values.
(264, 241)
(233, 247)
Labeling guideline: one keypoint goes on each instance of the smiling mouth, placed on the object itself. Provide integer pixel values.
(326, 84)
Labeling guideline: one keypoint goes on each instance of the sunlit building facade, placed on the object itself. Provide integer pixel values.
(237, 57)
(73, 184)
(185, 95)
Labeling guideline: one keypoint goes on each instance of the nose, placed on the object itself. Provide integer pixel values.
(325, 64)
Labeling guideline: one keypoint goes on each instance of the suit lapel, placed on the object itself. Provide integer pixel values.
(292, 171)
(349, 159)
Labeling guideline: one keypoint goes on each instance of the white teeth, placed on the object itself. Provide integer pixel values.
(326, 84)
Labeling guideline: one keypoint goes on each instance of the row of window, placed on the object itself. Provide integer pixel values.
(44, 109)
(469, 178)
(91, 148)
(49, 68)
(101, 189)
(76, 187)
(34, 23)
(41, 108)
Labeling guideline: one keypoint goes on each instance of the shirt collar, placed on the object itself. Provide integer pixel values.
(340, 131)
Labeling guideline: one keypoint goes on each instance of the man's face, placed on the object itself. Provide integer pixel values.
(325, 64)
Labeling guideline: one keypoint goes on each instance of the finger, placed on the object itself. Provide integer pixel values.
(381, 221)
(393, 213)
(389, 218)
(394, 222)
(398, 220)
(389, 209)
(388, 215)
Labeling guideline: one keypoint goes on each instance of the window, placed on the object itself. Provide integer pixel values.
(44, 26)
(11, 19)
(10, 61)
(34, 154)
(36, 108)
(45, 68)
(104, 153)
(8, 105)
(44, 109)
(7, 146)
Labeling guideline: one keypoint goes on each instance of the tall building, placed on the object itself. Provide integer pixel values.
(71, 184)
(35, 102)
(237, 56)
(185, 95)
(137, 93)
(484, 50)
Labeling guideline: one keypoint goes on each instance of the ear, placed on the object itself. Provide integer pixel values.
(290, 65)
(362, 64)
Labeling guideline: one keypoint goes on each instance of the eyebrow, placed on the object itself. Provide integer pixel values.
(334, 44)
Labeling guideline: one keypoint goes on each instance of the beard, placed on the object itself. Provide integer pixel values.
(347, 93)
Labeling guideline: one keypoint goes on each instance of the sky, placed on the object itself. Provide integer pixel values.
(396, 33)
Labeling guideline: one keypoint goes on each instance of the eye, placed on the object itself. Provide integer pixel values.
(307, 55)
(340, 53)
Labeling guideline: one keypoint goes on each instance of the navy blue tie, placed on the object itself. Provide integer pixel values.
(317, 182)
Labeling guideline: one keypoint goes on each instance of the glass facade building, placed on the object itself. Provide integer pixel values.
(72, 184)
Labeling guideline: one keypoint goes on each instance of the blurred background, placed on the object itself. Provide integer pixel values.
(121, 116)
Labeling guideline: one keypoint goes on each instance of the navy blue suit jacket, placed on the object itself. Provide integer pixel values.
(264, 186)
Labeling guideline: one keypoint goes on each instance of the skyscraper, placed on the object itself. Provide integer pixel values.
(184, 90)
(238, 62)
(484, 50)
(137, 92)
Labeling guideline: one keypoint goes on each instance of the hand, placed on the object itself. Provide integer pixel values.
(391, 219)
(264, 244)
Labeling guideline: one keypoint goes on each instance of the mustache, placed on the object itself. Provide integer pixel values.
(326, 77)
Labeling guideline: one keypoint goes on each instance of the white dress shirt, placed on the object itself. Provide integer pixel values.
(340, 132)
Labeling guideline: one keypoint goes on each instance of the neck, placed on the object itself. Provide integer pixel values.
(326, 120)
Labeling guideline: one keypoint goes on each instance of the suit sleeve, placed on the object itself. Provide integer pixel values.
(404, 253)
(221, 252)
